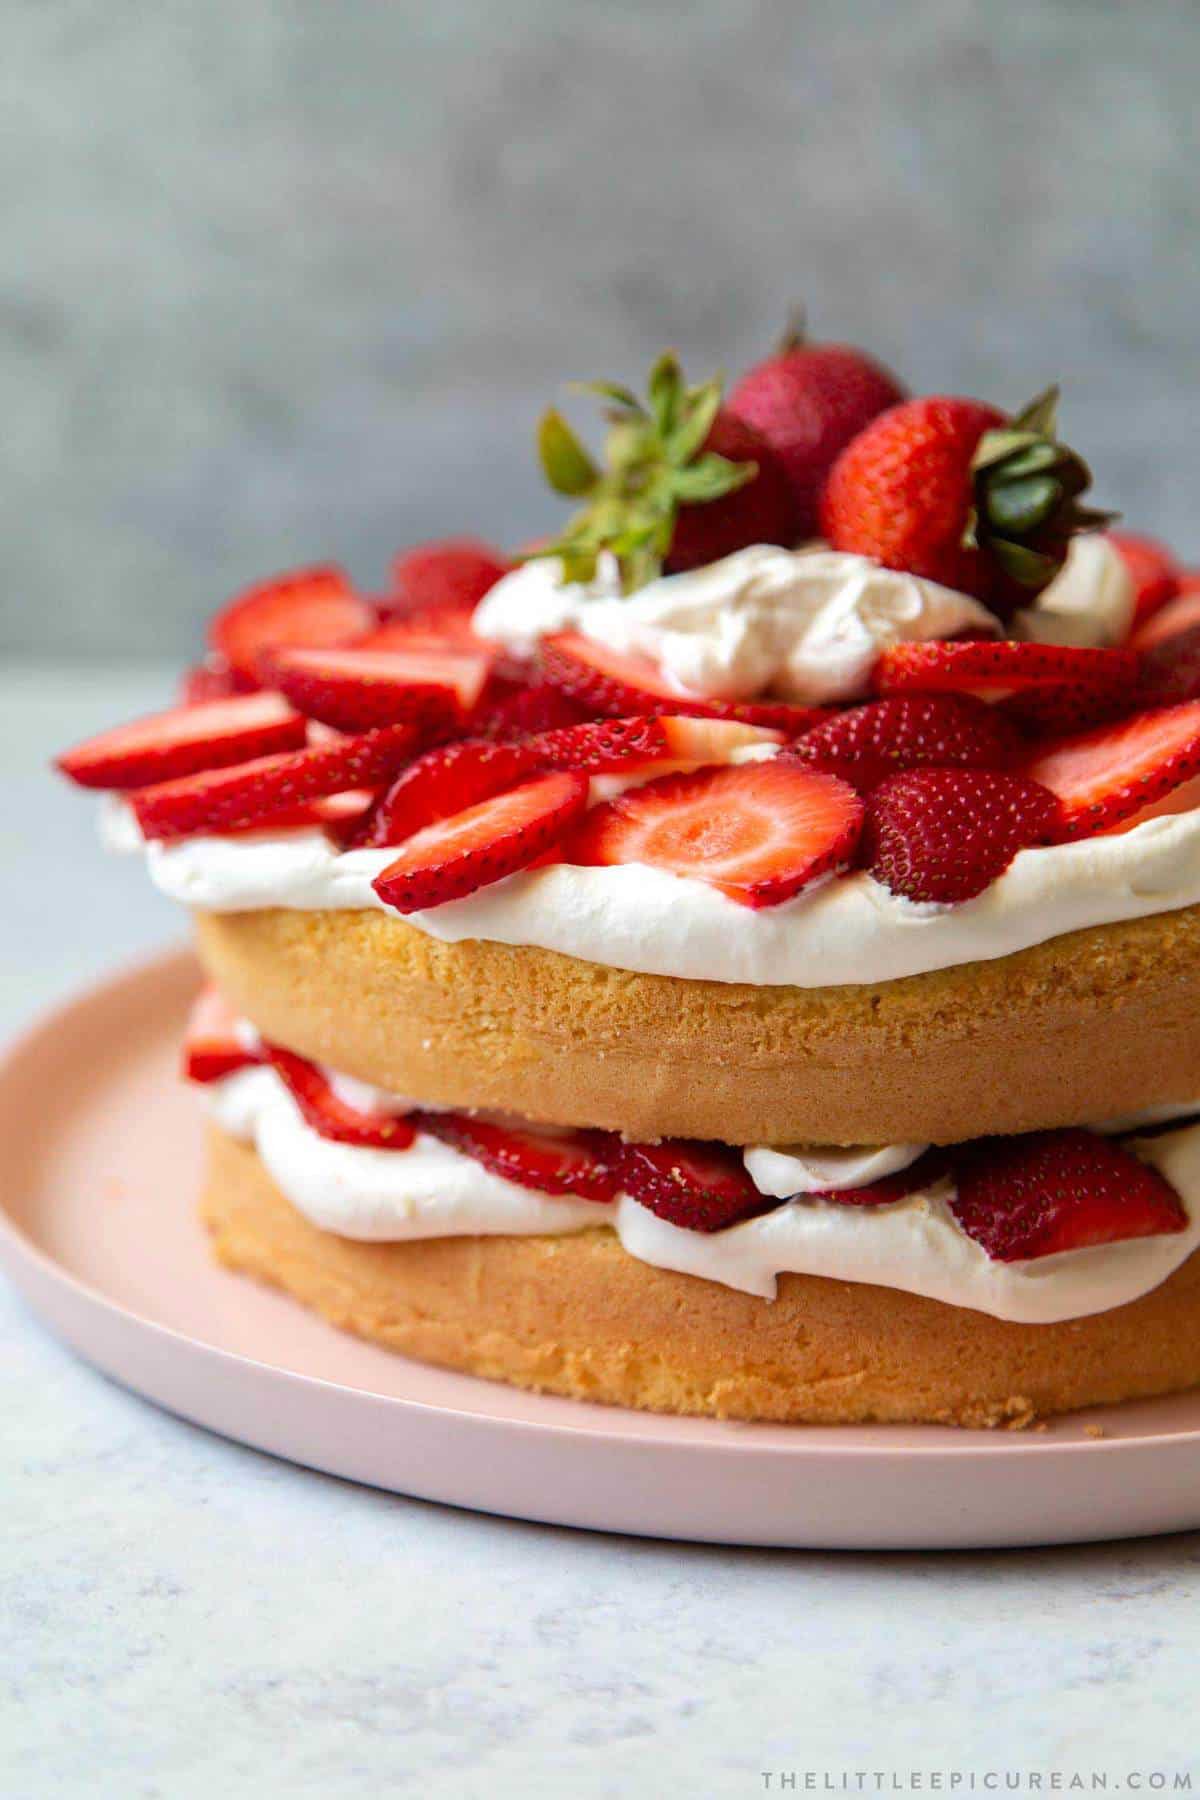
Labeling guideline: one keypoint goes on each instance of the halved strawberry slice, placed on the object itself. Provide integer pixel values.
(421, 660)
(624, 686)
(761, 832)
(700, 1186)
(1104, 776)
(1031, 1196)
(527, 708)
(941, 836)
(1178, 616)
(445, 578)
(866, 744)
(359, 690)
(483, 844)
(608, 746)
(445, 781)
(234, 799)
(552, 1162)
(1152, 569)
(313, 607)
(210, 735)
(212, 679)
(211, 1047)
(995, 670)
(1170, 670)
(889, 1188)
(331, 1116)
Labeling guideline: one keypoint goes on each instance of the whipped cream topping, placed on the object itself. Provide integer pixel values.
(431, 1190)
(644, 919)
(806, 625)
(1090, 603)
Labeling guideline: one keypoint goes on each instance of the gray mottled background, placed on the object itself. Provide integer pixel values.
(286, 280)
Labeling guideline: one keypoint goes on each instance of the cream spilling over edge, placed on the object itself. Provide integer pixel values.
(644, 919)
(915, 1244)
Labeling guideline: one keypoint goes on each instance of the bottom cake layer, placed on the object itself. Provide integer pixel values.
(580, 1317)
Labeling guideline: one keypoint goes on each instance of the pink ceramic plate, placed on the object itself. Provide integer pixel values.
(100, 1147)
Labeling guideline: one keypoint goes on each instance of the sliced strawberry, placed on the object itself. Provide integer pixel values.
(889, 1188)
(446, 781)
(234, 799)
(312, 607)
(421, 660)
(1177, 617)
(866, 744)
(1030, 1196)
(359, 690)
(997, 669)
(447, 577)
(1170, 670)
(210, 735)
(1152, 569)
(212, 679)
(474, 848)
(211, 1047)
(623, 686)
(331, 1116)
(1101, 777)
(761, 832)
(944, 835)
(700, 1186)
(552, 1162)
(608, 746)
(530, 707)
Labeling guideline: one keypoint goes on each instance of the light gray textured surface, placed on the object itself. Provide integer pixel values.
(184, 1618)
(292, 279)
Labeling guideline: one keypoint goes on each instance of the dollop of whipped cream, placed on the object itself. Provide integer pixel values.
(1090, 603)
(804, 625)
(431, 1190)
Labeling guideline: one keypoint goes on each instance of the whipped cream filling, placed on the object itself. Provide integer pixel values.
(431, 1190)
(645, 919)
(1090, 603)
(806, 625)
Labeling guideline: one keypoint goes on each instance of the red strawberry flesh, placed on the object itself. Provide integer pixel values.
(1048, 1191)
(622, 686)
(997, 669)
(1102, 777)
(809, 401)
(472, 849)
(699, 1186)
(211, 734)
(1152, 569)
(212, 1049)
(447, 577)
(760, 832)
(313, 607)
(564, 1163)
(866, 744)
(445, 781)
(331, 1116)
(360, 690)
(609, 746)
(235, 799)
(943, 835)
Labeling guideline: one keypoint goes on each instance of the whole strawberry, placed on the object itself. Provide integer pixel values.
(952, 490)
(760, 512)
(684, 482)
(808, 401)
